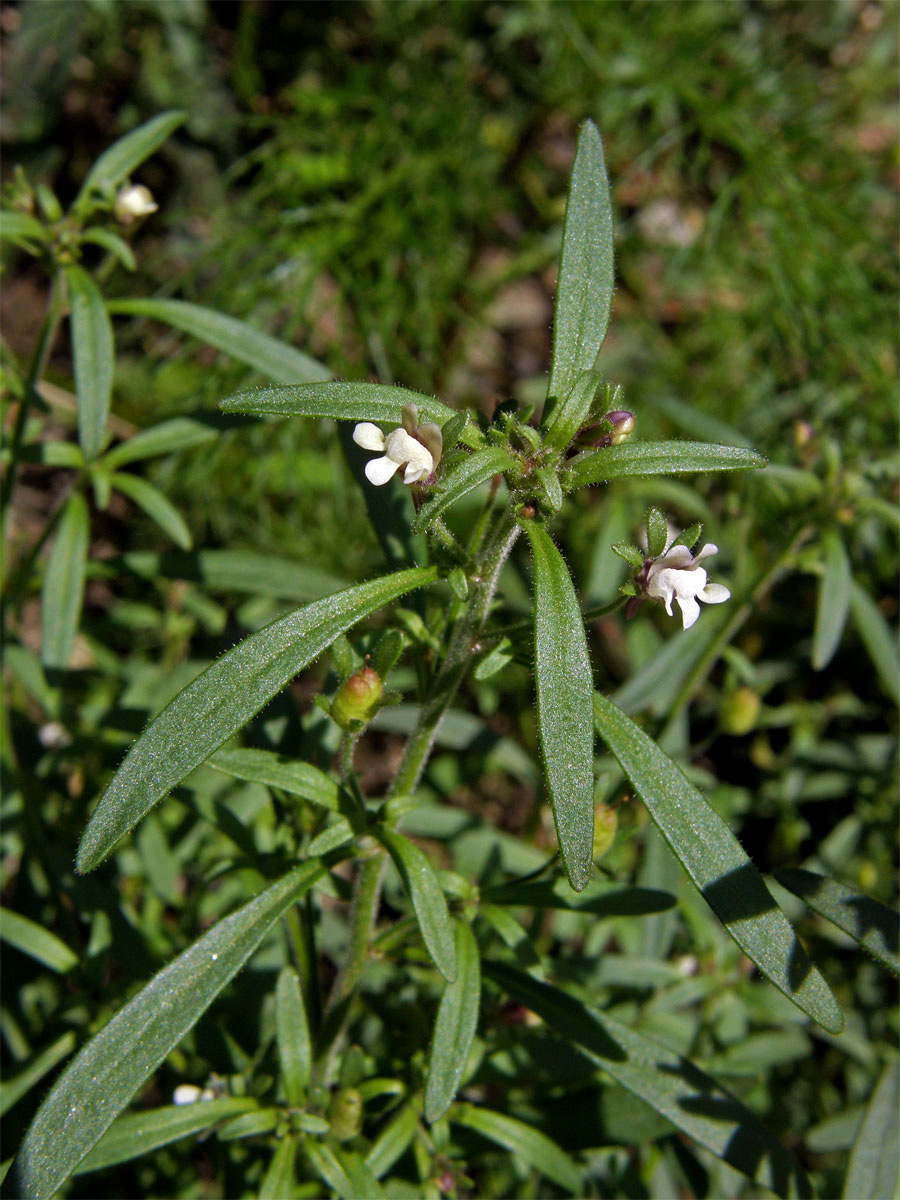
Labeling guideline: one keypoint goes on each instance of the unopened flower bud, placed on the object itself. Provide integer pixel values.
(612, 429)
(345, 1113)
(739, 712)
(358, 699)
(132, 202)
(623, 423)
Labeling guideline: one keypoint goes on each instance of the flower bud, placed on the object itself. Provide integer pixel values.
(606, 821)
(612, 429)
(345, 1113)
(739, 712)
(623, 423)
(132, 202)
(358, 700)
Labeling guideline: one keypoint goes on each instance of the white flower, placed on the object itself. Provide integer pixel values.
(187, 1093)
(400, 450)
(677, 575)
(134, 201)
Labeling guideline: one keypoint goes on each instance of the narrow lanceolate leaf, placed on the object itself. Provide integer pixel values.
(116, 164)
(37, 942)
(534, 1147)
(116, 246)
(656, 458)
(292, 1036)
(181, 433)
(392, 1142)
(346, 402)
(562, 672)
(464, 477)
(288, 775)
(265, 354)
(586, 273)
(603, 898)
(63, 588)
(140, 1133)
(717, 865)
(874, 1171)
(280, 1182)
(428, 901)
(222, 699)
(17, 1086)
(94, 358)
(238, 571)
(833, 603)
(110, 1069)
(878, 638)
(454, 1029)
(873, 925)
(670, 1084)
(155, 505)
(18, 226)
(570, 412)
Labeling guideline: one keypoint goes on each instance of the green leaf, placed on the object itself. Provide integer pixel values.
(717, 865)
(321, 1158)
(670, 1084)
(657, 532)
(292, 1036)
(20, 226)
(251, 1124)
(570, 412)
(454, 1029)
(155, 505)
(586, 270)
(563, 682)
(180, 433)
(93, 352)
(873, 925)
(117, 1061)
(534, 1147)
(240, 341)
(392, 1142)
(463, 478)
(833, 602)
(346, 402)
(630, 554)
(222, 699)
(655, 458)
(874, 1171)
(602, 898)
(274, 771)
(37, 942)
(63, 588)
(877, 637)
(280, 1182)
(116, 164)
(17, 1086)
(140, 1133)
(428, 900)
(116, 246)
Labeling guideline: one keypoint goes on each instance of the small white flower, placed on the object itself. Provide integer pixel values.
(134, 201)
(186, 1093)
(400, 450)
(677, 575)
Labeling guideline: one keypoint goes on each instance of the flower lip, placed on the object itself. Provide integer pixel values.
(400, 448)
(677, 575)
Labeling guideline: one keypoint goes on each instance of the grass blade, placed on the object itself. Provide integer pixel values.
(110, 1069)
(272, 358)
(93, 352)
(873, 925)
(63, 589)
(670, 1084)
(586, 270)
(656, 458)
(222, 699)
(877, 637)
(428, 901)
(717, 866)
(454, 1029)
(563, 682)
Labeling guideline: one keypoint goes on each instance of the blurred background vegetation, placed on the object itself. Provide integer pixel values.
(382, 185)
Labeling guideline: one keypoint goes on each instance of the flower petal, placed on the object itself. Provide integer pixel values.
(380, 470)
(413, 474)
(708, 550)
(368, 436)
(715, 593)
(662, 587)
(690, 610)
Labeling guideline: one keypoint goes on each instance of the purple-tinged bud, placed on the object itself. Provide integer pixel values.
(610, 430)
(623, 423)
(357, 700)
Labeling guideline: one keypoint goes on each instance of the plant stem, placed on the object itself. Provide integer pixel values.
(362, 921)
